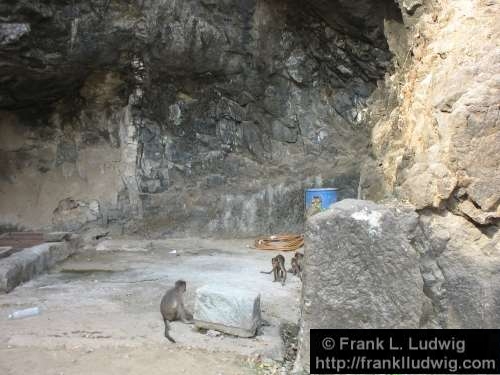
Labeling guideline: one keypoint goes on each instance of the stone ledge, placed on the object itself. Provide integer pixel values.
(26, 264)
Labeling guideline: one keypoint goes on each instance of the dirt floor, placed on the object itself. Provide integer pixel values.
(100, 312)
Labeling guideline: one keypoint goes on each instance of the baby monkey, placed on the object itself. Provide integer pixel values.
(172, 307)
(297, 264)
(279, 270)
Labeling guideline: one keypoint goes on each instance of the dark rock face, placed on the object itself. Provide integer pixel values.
(206, 105)
(49, 48)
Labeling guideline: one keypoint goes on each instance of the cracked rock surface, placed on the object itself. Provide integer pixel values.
(185, 115)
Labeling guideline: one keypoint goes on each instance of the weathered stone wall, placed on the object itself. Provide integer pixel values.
(184, 116)
(435, 142)
(65, 168)
(179, 114)
(438, 147)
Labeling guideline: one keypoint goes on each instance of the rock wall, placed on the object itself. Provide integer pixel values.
(165, 116)
(184, 116)
(435, 147)
(438, 147)
(63, 169)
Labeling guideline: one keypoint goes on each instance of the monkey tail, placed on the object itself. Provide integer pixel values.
(267, 273)
(167, 335)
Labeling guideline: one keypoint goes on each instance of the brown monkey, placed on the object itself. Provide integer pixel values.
(297, 264)
(300, 258)
(295, 269)
(315, 207)
(279, 270)
(172, 307)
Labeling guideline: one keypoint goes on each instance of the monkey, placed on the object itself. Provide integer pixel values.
(315, 207)
(297, 264)
(274, 262)
(172, 307)
(300, 262)
(295, 269)
(279, 270)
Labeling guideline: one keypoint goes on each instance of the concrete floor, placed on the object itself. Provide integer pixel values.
(101, 309)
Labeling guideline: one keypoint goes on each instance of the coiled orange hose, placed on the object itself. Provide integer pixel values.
(280, 242)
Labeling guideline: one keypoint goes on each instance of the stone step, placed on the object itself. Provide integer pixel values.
(25, 264)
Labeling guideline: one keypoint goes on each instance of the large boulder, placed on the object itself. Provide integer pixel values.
(384, 266)
(361, 271)
(226, 309)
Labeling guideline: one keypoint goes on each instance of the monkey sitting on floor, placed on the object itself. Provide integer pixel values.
(297, 264)
(172, 307)
(279, 270)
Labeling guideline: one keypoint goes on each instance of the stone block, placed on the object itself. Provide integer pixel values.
(361, 271)
(226, 309)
